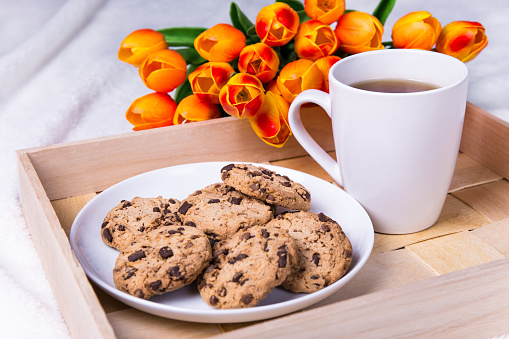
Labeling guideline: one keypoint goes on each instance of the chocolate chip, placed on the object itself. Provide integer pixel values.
(177, 217)
(314, 277)
(285, 183)
(172, 201)
(197, 193)
(247, 298)
(265, 234)
(256, 173)
(213, 300)
(140, 254)
(126, 204)
(222, 292)
(237, 276)
(190, 223)
(242, 282)
(201, 284)
(121, 228)
(141, 229)
(227, 168)
(139, 293)
(129, 273)
(165, 252)
(104, 224)
(107, 235)
(213, 201)
(322, 217)
(348, 254)
(236, 201)
(266, 172)
(175, 272)
(184, 207)
(253, 187)
(237, 258)
(282, 253)
(156, 209)
(315, 258)
(246, 236)
(170, 232)
(155, 285)
(270, 197)
(325, 228)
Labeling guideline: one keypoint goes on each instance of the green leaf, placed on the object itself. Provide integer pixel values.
(181, 36)
(185, 90)
(303, 17)
(295, 4)
(191, 56)
(239, 20)
(383, 10)
(251, 36)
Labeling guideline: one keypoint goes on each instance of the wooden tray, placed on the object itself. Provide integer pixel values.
(449, 280)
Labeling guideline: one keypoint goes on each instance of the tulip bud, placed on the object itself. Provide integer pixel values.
(277, 24)
(463, 40)
(242, 96)
(315, 40)
(324, 64)
(137, 46)
(417, 30)
(221, 43)
(271, 121)
(359, 32)
(327, 11)
(208, 79)
(192, 108)
(259, 60)
(298, 76)
(151, 111)
(163, 71)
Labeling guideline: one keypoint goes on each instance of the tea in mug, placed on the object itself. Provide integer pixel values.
(394, 85)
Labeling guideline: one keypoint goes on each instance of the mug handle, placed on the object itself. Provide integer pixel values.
(323, 100)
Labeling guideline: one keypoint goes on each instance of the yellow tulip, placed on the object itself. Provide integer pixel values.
(242, 96)
(298, 76)
(324, 64)
(327, 11)
(463, 40)
(163, 71)
(139, 44)
(277, 24)
(221, 43)
(359, 32)
(271, 121)
(192, 108)
(208, 79)
(151, 111)
(315, 40)
(259, 60)
(417, 30)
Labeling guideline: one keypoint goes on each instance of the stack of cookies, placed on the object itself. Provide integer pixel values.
(229, 238)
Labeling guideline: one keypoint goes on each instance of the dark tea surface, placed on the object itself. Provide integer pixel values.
(394, 85)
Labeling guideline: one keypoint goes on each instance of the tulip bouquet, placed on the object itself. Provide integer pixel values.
(254, 70)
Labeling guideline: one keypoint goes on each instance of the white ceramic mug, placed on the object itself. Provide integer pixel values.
(396, 152)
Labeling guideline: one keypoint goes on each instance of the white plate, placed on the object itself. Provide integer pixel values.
(178, 182)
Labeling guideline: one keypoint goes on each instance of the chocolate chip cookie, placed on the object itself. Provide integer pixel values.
(325, 253)
(247, 267)
(129, 219)
(220, 211)
(161, 261)
(267, 185)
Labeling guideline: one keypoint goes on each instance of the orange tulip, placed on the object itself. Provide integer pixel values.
(151, 111)
(327, 11)
(222, 43)
(297, 76)
(163, 71)
(359, 32)
(192, 108)
(242, 96)
(315, 40)
(137, 45)
(208, 79)
(463, 40)
(324, 64)
(271, 86)
(271, 121)
(417, 30)
(276, 24)
(259, 60)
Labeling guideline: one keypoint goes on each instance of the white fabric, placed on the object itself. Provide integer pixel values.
(60, 80)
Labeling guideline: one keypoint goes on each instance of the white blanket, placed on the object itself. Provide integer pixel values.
(60, 80)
